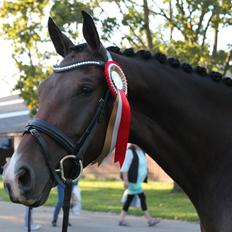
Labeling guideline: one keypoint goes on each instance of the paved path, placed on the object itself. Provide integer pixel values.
(11, 220)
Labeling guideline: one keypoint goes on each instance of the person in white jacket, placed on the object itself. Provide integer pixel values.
(134, 172)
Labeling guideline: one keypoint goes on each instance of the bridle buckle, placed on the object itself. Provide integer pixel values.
(76, 162)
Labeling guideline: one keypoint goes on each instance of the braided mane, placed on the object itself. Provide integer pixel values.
(173, 62)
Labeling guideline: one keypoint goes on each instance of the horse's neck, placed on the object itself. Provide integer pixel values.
(170, 113)
(151, 96)
(157, 95)
(184, 122)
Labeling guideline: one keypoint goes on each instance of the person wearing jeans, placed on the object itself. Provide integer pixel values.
(33, 226)
(59, 204)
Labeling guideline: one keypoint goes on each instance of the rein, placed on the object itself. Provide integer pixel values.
(37, 127)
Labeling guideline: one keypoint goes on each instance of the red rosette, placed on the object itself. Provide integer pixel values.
(117, 84)
(115, 78)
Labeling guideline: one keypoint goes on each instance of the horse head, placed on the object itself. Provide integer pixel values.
(72, 104)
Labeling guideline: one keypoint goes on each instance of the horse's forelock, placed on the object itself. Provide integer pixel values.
(79, 48)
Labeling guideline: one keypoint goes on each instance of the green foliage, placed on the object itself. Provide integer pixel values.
(67, 15)
(21, 23)
(30, 77)
(142, 24)
(108, 25)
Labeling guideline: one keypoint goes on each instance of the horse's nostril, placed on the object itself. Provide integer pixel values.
(24, 180)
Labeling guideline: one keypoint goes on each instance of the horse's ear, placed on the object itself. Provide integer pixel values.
(61, 42)
(90, 32)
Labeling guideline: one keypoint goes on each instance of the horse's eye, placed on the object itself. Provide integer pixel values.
(86, 89)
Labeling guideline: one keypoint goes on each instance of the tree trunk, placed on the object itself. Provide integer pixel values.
(216, 30)
(147, 25)
(227, 65)
(171, 18)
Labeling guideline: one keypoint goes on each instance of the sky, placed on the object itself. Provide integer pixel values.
(8, 71)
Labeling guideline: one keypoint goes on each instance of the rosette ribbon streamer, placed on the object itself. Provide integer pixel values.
(119, 124)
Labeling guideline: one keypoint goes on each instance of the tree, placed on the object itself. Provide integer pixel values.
(21, 25)
(24, 24)
(193, 20)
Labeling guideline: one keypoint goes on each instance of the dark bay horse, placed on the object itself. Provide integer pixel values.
(183, 120)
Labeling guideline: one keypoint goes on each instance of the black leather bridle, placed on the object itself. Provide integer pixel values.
(75, 149)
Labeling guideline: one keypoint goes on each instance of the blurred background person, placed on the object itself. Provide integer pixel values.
(134, 173)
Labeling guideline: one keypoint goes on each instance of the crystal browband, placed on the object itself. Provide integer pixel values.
(77, 65)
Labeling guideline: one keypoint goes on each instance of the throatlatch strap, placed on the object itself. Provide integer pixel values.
(66, 204)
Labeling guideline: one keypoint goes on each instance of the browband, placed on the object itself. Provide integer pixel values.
(69, 67)
(77, 65)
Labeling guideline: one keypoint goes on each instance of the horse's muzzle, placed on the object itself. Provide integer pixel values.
(25, 180)
(18, 183)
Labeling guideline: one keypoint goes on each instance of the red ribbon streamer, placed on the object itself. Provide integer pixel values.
(123, 132)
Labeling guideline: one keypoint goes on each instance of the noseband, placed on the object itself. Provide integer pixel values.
(75, 149)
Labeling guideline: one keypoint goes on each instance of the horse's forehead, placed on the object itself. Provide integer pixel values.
(77, 56)
(70, 80)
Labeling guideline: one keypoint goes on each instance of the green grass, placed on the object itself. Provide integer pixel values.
(105, 195)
